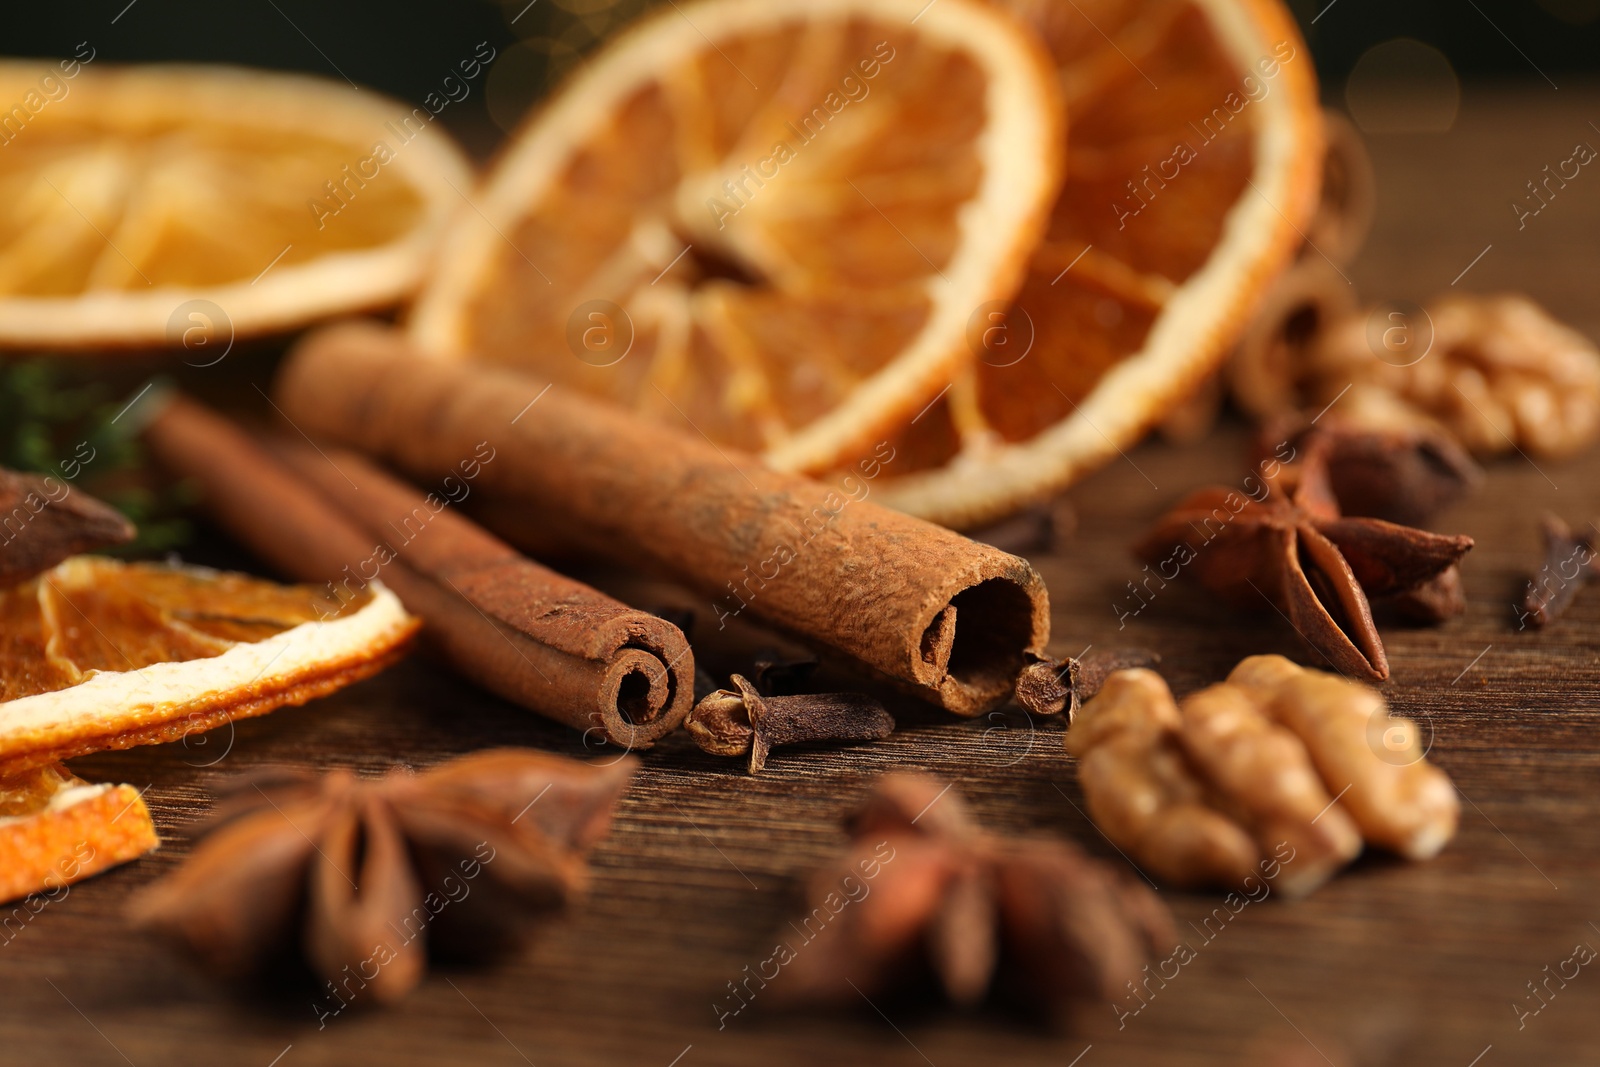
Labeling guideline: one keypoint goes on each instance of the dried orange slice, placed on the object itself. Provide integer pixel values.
(97, 654)
(773, 219)
(1194, 164)
(141, 204)
(56, 829)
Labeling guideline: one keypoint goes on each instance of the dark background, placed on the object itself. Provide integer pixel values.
(406, 47)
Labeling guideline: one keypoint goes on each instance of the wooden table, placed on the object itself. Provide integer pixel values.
(1391, 963)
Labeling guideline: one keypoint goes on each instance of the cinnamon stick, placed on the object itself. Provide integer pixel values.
(533, 636)
(1349, 196)
(1265, 372)
(949, 619)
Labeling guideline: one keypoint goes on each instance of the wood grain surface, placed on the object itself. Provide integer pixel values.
(1391, 963)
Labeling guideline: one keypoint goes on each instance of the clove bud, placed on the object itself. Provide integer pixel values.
(732, 722)
(1050, 687)
(1569, 562)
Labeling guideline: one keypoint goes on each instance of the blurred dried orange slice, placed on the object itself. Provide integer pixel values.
(770, 218)
(140, 203)
(56, 829)
(1194, 164)
(97, 654)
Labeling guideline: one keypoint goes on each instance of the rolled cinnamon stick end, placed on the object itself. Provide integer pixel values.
(524, 632)
(1264, 374)
(1349, 195)
(948, 618)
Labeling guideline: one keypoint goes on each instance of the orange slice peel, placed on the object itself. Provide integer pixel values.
(1193, 171)
(96, 654)
(57, 829)
(189, 205)
(773, 220)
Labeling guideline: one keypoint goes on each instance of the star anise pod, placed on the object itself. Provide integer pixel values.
(1405, 473)
(924, 894)
(1286, 546)
(367, 877)
(43, 520)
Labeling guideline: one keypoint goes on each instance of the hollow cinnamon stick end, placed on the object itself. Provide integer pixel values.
(648, 689)
(1263, 375)
(974, 647)
(1349, 197)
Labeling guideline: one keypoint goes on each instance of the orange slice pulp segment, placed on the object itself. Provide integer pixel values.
(97, 654)
(132, 198)
(771, 220)
(1193, 167)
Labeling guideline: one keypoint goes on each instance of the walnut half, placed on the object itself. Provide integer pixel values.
(1278, 773)
(1499, 373)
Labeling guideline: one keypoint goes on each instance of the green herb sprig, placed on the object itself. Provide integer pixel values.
(53, 422)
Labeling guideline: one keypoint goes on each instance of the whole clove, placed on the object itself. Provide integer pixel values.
(732, 722)
(1569, 562)
(1049, 686)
